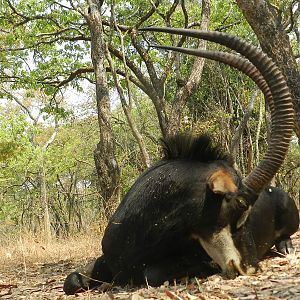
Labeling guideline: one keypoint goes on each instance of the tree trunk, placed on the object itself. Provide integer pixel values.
(258, 130)
(266, 24)
(105, 161)
(44, 197)
(45, 205)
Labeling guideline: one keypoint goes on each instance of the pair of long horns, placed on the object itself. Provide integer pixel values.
(263, 71)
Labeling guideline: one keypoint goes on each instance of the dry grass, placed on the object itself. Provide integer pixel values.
(27, 250)
(32, 269)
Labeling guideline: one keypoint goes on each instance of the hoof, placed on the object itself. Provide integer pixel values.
(74, 284)
(285, 246)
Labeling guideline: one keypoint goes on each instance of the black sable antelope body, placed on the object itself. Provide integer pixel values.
(192, 205)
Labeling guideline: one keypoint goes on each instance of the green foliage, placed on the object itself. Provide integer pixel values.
(68, 166)
(14, 131)
(42, 41)
(43, 46)
(15, 153)
(58, 112)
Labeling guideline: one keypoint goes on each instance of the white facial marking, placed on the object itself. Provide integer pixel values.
(220, 247)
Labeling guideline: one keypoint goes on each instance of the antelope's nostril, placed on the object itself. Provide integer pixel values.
(235, 268)
(231, 270)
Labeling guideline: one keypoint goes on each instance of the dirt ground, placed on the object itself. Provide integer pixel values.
(279, 278)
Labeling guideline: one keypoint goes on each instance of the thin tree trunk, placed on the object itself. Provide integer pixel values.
(249, 152)
(127, 105)
(47, 235)
(105, 161)
(260, 118)
(242, 163)
(44, 197)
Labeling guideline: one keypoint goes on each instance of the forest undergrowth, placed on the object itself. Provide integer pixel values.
(26, 249)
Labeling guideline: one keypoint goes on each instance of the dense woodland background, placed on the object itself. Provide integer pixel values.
(68, 154)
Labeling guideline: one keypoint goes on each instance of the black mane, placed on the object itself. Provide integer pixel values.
(189, 147)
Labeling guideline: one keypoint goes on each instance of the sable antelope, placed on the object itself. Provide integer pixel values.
(192, 206)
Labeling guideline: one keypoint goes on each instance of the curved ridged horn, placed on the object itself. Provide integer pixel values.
(283, 118)
(233, 60)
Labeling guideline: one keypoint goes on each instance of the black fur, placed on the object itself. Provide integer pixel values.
(273, 219)
(149, 236)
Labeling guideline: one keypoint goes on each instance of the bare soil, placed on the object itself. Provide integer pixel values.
(26, 278)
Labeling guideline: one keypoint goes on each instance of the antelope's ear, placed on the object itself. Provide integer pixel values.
(221, 182)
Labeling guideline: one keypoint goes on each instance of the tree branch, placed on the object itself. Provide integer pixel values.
(69, 39)
(25, 108)
(148, 14)
(149, 64)
(27, 19)
(145, 83)
(75, 74)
